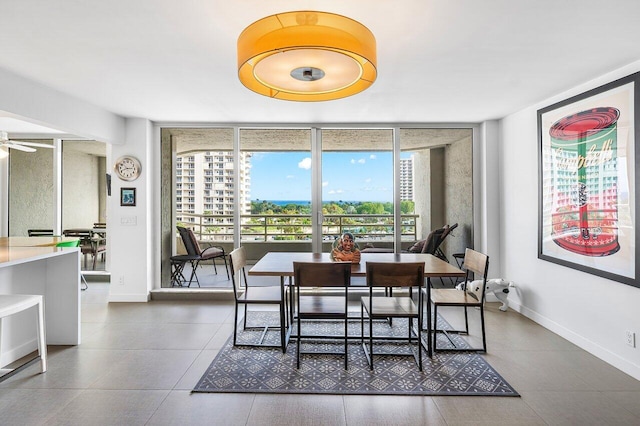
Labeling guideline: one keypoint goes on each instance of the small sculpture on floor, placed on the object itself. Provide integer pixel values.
(497, 286)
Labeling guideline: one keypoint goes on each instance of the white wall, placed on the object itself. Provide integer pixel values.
(590, 311)
(132, 229)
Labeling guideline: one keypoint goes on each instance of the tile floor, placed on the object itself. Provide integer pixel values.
(139, 361)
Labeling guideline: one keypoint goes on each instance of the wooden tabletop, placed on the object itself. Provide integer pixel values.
(280, 264)
(34, 241)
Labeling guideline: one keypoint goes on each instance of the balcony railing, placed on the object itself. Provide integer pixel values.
(296, 227)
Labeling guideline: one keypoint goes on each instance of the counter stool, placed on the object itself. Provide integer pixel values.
(12, 304)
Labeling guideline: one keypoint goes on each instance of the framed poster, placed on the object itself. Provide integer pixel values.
(588, 197)
(127, 196)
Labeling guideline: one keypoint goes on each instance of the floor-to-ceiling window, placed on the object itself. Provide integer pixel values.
(357, 185)
(277, 171)
(257, 187)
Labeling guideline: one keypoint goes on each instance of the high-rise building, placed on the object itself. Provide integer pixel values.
(205, 185)
(406, 179)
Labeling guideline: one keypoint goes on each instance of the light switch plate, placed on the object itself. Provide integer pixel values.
(129, 220)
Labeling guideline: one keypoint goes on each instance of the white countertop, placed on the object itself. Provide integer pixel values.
(10, 256)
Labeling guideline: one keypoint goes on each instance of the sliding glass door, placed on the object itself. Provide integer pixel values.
(357, 186)
(276, 164)
(298, 189)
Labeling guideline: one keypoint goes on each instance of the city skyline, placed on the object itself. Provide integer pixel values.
(346, 176)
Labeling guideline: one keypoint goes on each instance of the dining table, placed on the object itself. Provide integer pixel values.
(280, 264)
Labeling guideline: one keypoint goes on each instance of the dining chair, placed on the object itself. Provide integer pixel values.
(385, 306)
(318, 306)
(245, 295)
(86, 246)
(471, 295)
(193, 249)
(40, 232)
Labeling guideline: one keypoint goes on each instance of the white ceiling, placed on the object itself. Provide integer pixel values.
(438, 60)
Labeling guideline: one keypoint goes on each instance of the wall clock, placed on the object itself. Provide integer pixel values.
(127, 168)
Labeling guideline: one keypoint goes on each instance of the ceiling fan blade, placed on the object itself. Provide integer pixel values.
(39, 145)
(18, 147)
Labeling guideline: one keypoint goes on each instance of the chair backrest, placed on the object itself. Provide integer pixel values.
(388, 274)
(438, 252)
(189, 240)
(433, 240)
(85, 238)
(40, 232)
(322, 274)
(447, 230)
(476, 263)
(238, 262)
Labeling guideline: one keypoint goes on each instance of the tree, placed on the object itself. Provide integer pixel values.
(407, 207)
(370, 208)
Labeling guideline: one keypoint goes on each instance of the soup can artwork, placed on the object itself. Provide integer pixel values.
(585, 182)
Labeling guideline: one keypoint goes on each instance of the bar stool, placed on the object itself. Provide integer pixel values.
(12, 304)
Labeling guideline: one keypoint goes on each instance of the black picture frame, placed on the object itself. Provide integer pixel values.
(588, 199)
(127, 197)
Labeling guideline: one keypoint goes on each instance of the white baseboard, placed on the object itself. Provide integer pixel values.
(593, 348)
(14, 354)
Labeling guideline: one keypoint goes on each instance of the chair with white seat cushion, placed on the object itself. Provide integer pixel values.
(14, 303)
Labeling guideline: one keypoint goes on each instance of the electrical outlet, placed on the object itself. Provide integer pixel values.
(631, 338)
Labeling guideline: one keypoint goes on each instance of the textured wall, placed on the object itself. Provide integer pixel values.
(80, 190)
(458, 195)
(31, 195)
(439, 187)
(422, 191)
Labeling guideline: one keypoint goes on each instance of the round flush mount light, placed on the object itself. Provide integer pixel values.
(307, 56)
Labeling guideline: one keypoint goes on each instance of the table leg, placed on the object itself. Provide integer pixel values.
(283, 325)
(429, 329)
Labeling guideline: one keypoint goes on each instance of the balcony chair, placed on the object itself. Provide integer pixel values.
(336, 276)
(198, 255)
(472, 295)
(245, 294)
(390, 275)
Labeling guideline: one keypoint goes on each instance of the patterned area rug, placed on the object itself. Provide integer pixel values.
(268, 370)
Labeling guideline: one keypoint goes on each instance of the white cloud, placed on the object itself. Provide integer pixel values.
(290, 176)
(325, 183)
(337, 191)
(361, 161)
(353, 161)
(305, 163)
(367, 180)
(372, 157)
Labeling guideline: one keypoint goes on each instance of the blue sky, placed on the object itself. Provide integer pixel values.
(350, 176)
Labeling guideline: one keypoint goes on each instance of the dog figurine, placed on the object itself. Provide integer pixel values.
(497, 286)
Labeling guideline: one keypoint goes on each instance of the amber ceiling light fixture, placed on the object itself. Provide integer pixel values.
(307, 56)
